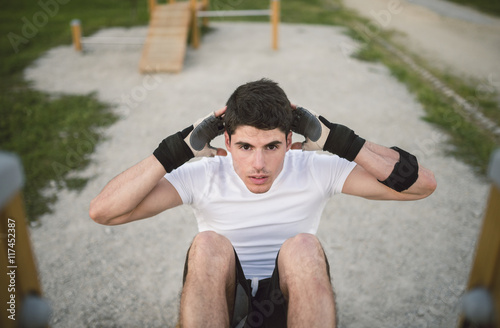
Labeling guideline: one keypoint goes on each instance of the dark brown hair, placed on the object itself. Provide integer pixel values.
(261, 104)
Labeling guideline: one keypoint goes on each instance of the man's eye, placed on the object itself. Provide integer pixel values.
(272, 147)
(245, 147)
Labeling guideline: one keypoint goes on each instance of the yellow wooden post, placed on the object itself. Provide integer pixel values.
(76, 34)
(18, 279)
(204, 6)
(488, 247)
(275, 18)
(195, 33)
(485, 272)
(151, 6)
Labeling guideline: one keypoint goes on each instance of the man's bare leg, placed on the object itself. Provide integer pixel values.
(305, 283)
(207, 297)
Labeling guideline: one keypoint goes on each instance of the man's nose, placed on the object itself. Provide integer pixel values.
(258, 160)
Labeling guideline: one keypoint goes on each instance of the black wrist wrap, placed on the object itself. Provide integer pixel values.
(405, 172)
(342, 140)
(173, 150)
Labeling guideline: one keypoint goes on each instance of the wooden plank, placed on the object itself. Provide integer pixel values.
(159, 38)
(171, 14)
(162, 31)
(165, 46)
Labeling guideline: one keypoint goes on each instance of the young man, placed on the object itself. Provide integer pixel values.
(256, 261)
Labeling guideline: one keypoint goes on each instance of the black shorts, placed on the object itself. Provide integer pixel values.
(268, 309)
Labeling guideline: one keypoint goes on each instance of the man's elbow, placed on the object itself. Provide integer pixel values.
(97, 214)
(429, 184)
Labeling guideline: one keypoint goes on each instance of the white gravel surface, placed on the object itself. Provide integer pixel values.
(452, 37)
(393, 264)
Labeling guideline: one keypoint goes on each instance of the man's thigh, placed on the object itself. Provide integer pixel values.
(266, 310)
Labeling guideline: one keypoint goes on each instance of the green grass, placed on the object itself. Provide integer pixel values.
(54, 135)
(471, 144)
(487, 6)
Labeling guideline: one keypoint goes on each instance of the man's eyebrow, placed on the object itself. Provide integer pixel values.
(272, 143)
(242, 143)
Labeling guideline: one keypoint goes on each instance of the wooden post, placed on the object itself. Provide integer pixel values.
(19, 279)
(204, 6)
(485, 270)
(275, 18)
(76, 34)
(195, 32)
(151, 6)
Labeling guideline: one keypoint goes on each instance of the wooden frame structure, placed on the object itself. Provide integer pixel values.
(485, 271)
(164, 48)
(273, 12)
(200, 10)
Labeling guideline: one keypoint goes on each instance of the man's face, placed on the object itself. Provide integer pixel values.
(258, 155)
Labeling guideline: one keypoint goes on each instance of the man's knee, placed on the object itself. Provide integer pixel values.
(211, 241)
(210, 252)
(302, 263)
(301, 245)
(303, 254)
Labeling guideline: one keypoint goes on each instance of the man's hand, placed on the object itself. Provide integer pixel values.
(306, 123)
(320, 134)
(193, 141)
(204, 131)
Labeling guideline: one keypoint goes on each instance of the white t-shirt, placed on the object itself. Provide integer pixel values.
(258, 224)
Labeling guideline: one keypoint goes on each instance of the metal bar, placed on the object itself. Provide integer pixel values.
(234, 13)
(112, 40)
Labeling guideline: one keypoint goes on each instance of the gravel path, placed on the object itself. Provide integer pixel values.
(454, 38)
(393, 264)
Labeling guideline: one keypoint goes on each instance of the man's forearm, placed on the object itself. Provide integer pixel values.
(380, 162)
(123, 193)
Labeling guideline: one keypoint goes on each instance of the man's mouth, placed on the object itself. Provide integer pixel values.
(259, 179)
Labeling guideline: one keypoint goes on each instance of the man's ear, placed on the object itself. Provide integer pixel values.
(289, 141)
(227, 141)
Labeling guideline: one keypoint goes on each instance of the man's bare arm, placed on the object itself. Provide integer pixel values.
(375, 164)
(381, 173)
(137, 193)
(141, 191)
